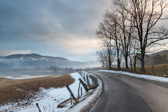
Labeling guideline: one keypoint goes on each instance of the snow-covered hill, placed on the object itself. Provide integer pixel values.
(36, 60)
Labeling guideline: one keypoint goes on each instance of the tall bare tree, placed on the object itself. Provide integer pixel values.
(146, 14)
(108, 33)
(113, 29)
(107, 41)
(127, 30)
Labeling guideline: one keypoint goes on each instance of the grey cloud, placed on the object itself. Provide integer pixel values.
(32, 24)
(34, 16)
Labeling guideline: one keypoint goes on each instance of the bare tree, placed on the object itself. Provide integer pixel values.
(146, 14)
(134, 54)
(125, 30)
(113, 31)
(103, 57)
(127, 34)
(106, 38)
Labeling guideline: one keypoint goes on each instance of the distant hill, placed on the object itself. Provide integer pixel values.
(36, 60)
(164, 52)
(34, 57)
(160, 57)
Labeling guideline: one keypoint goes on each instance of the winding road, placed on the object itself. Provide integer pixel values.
(128, 94)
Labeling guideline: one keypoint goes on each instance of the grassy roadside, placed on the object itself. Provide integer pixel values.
(158, 70)
(15, 90)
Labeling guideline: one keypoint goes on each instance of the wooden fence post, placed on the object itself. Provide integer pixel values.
(88, 81)
(81, 73)
(165, 70)
(83, 76)
(152, 70)
(71, 92)
(81, 91)
(38, 107)
(84, 85)
(71, 99)
(78, 90)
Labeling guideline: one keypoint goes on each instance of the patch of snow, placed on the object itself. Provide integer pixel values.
(89, 99)
(84, 74)
(48, 99)
(44, 59)
(33, 59)
(18, 89)
(149, 77)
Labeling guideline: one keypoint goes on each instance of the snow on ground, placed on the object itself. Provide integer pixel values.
(86, 103)
(149, 77)
(48, 99)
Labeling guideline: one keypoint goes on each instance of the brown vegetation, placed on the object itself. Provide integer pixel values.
(158, 70)
(15, 90)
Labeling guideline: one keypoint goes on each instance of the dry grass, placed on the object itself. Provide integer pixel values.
(158, 70)
(15, 90)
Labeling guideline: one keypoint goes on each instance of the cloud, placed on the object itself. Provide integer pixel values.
(79, 46)
(51, 27)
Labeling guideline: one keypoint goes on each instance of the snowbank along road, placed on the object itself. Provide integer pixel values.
(128, 94)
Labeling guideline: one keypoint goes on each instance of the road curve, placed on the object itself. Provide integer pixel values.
(128, 94)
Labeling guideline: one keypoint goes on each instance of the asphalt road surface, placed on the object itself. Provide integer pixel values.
(128, 94)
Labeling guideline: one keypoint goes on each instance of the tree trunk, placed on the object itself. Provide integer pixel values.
(142, 60)
(126, 62)
(109, 58)
(130, 63)
(135, 63)
(118, 60)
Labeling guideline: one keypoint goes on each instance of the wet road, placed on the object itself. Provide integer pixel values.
(127, 94)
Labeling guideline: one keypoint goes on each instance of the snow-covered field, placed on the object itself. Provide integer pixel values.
(149, 77)
(48, 99)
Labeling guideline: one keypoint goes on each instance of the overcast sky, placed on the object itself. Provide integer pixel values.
(64, 28)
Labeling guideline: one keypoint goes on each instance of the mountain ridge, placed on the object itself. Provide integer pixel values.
(32, 55)
(35, 60)
(149, 59)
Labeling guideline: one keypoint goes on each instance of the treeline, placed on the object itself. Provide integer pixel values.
(52, 70)
(56, 69)
(129, 31)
